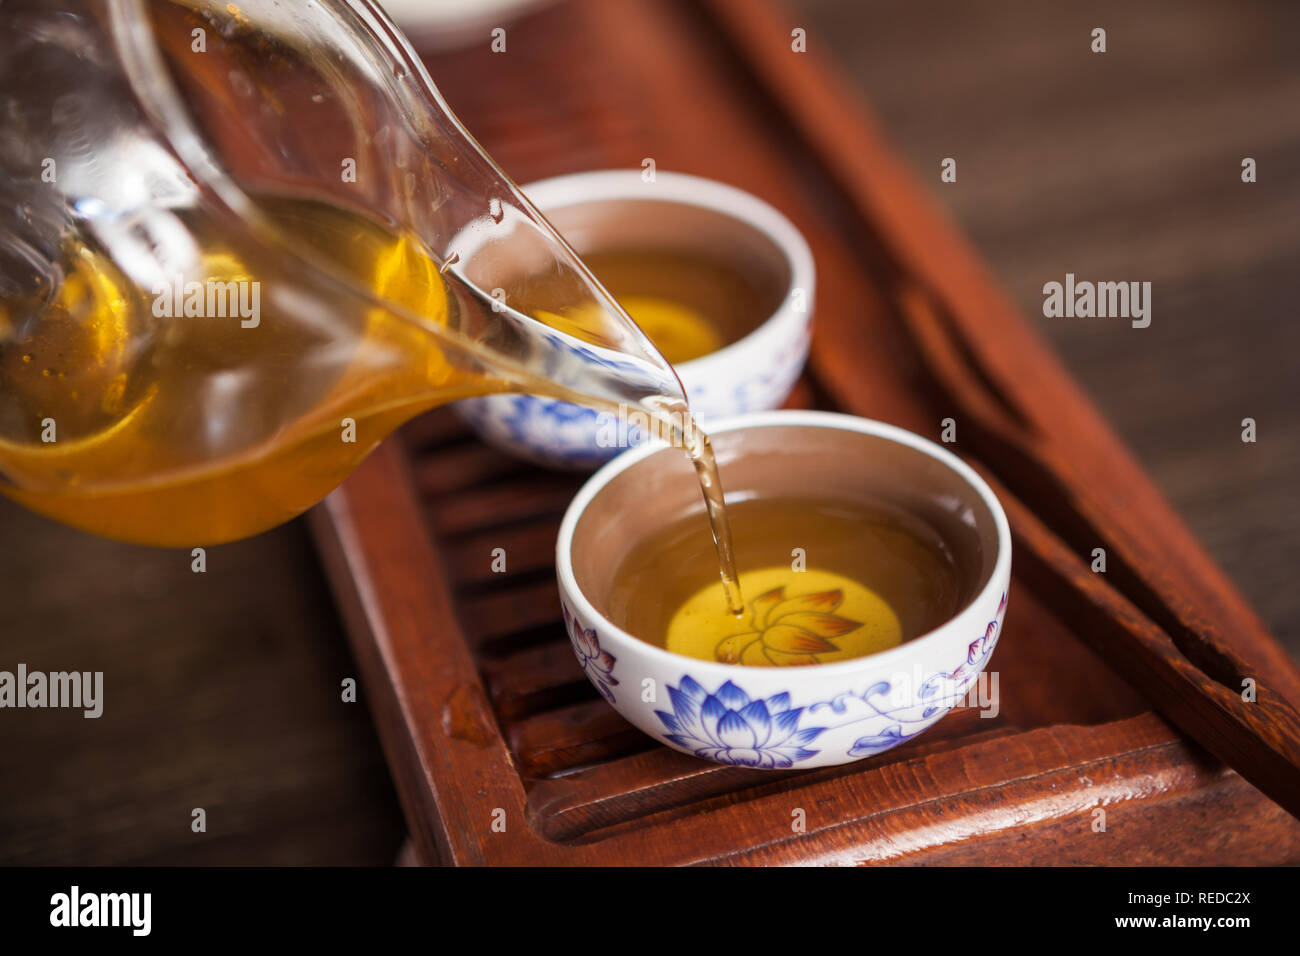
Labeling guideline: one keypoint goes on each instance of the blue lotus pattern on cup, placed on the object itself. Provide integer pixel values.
(561, 434)
(731, 726)
(727, 726)
(756, 393)
(554, 429)
(597, 664)
(935, 696)
(701, 732)
(548, 431)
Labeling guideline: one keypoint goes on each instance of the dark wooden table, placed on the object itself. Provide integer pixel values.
(1127, 166)
(223, 690)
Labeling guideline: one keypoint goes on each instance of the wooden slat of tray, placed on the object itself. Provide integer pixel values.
(479, 704)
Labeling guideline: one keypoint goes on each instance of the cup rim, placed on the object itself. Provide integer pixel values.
(605, 185)
(969, 619)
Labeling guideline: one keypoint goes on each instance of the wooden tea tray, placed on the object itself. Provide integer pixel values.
(484, 713)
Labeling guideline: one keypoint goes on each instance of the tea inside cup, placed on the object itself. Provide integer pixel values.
(719, 281)
(735, 701)
(694, 279)
(817, 477)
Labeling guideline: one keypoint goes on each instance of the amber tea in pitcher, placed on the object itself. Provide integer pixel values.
(227, 273)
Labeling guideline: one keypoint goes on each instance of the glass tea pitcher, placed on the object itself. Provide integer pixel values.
(239, 244)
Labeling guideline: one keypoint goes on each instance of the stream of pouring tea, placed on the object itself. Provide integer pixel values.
(700, 451)
(678, 426)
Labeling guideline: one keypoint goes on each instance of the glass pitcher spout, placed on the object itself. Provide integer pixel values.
(239, 244)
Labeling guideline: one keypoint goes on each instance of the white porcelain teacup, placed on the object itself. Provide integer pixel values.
(618, 208)
(781, 717)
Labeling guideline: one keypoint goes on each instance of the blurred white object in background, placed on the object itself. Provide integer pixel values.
(444, 24)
